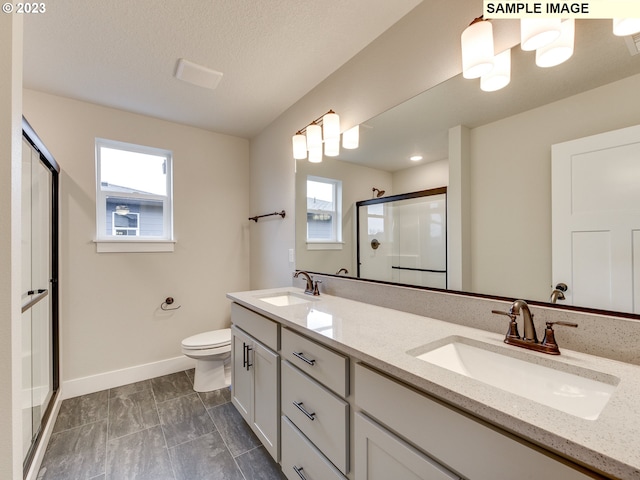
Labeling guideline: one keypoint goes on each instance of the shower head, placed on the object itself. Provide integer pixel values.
(380, 192)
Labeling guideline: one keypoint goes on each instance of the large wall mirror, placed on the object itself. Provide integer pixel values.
(505, 248)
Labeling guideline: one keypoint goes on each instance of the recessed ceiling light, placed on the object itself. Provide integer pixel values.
(197, 74)
(415, 158)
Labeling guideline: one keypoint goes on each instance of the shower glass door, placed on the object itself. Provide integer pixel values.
(39, 293)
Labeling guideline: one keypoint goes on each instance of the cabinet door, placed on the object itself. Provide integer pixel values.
(241, 376)
(266, 390)
(380, 455)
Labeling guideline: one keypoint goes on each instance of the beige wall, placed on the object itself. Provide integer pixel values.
(421, 177)
(10, 250)
(110, 317)
(511, 174)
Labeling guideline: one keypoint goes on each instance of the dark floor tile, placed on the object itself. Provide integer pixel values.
(140, 456)
(257, 464)
(171, 386)
(132, 413)
(184, 419)
(82, 410)
(191, 374)
(77, 453)
(130, 388)
(204, 458)
(234, 430)
(215, 397)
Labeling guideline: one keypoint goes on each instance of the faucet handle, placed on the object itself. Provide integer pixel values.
(316, 292)
(512, 333)
(549, 341)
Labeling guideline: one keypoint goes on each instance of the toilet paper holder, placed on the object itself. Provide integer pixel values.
(169, 301)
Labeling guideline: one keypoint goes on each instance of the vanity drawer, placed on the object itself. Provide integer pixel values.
(326, 420)
(328, 367)
(443, 433)
(255, 325)
(299, 453)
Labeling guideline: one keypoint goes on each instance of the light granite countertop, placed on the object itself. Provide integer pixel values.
(381, 337)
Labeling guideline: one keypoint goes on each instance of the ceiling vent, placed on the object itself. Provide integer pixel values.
(197, 74)
(633, 43)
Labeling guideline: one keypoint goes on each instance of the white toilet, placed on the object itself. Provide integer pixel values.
(212, 352)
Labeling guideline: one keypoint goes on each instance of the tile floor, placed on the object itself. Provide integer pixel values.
(155, 430)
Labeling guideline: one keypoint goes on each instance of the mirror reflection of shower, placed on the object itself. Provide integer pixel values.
(377, 195)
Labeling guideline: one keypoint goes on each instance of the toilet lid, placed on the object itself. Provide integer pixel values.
(214, 338)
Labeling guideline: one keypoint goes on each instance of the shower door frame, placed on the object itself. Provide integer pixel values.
(394, 198)
(50, 163)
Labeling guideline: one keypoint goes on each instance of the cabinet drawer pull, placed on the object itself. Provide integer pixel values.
(249, 364)
(304, 359)
(310, 416)
(244, 355)
(298, 470)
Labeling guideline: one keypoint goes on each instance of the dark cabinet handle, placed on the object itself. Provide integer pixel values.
(298, 470)
(310, 416)
(301, 356)
(249, 364)
(244, 355)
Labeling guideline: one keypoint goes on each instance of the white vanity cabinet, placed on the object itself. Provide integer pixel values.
(315, 414)
(255, 373)
(436, 436)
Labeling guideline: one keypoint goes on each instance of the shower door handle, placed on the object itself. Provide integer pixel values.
(36, 296)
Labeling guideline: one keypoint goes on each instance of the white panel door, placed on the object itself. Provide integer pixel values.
(595, 219)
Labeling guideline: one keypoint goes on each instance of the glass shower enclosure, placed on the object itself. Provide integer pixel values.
(403, 238)
(39, 244)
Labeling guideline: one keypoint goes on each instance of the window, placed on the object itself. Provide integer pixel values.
(324, 211)
(133, 197)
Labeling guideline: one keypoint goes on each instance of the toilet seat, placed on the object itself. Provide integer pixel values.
(208, 340)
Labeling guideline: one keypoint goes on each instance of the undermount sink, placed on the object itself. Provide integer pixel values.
(573, 393)
(285, 299)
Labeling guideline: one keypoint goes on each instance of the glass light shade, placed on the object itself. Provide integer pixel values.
(315, 154)
(299, 146)
(538, 32)
(351, 138)
(500, 76)
(477, 49)
(561, 49)
(332, 147)
(626, 26)
(331, 127)
(314, 137)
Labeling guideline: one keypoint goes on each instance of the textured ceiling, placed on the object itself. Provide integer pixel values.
(123, 53)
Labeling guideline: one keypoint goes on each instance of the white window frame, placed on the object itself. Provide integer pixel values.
(130, 243)
(336, 242)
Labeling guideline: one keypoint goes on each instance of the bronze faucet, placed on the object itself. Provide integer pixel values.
(530, 339)
(312, 287)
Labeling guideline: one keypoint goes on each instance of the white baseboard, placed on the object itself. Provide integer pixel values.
(116, 378)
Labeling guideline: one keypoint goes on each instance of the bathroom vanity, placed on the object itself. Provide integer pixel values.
(344, 389)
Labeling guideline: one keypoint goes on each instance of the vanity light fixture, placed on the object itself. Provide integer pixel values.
(415, 158)
(500, 76)
(561, 49)
(477, 48)
(538, 32)
(322, 136)
(351, 138)
(551, 38)
(626, 26)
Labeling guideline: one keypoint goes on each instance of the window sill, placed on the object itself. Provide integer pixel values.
(134, 246)
(325, 245)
